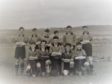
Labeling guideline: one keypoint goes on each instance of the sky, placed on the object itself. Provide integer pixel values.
(54, 13)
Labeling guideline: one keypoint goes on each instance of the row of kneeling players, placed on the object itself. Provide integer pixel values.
(52, 59)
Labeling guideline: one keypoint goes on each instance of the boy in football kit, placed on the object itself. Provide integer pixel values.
(46, 36)
(66, 59)
(69, 36)
(34, 36)
(20, 52)
(56, 56)
(79, 59)
(44, 57)
(33, 64)
(86, 40)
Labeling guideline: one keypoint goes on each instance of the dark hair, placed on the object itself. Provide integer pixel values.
(43, 41)
(69, 26)
(37, 47)
(55, 37)
(47, 48)
(21, 28)
(60, 43)
(56, 31)
(47, 30)
(84, 27)
(68, 44)
(34, 29)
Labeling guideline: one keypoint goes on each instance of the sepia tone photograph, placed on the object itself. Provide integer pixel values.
(55, 41)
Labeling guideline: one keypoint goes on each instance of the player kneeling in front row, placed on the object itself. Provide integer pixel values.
(33, 65)
(67, 59)
(45, 58)
(56, 56)
(79, 60)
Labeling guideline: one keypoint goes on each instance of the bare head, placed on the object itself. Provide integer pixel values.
(85, 28)
(55, 39)
(43, 43)
(79, 46)
(69, 29)
(47, 32)
(34, 30)
(68, 47)
(21, 29)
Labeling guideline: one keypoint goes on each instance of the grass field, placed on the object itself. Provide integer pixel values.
(102, 51)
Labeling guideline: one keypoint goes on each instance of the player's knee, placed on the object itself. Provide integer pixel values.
(48, 62)
(38, 65)
(65, 72)
(28, 67)
(86, 64)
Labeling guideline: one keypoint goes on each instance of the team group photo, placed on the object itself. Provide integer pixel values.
(51, 55)
(55, 41)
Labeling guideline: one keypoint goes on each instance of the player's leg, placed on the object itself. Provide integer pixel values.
(22, 65)
(17, 66)
(48, 68)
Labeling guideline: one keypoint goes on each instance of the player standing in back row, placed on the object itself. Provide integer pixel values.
(69, 37)
(20, 52)
(86, 41)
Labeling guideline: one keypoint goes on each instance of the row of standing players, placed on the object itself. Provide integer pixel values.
(51, 56)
